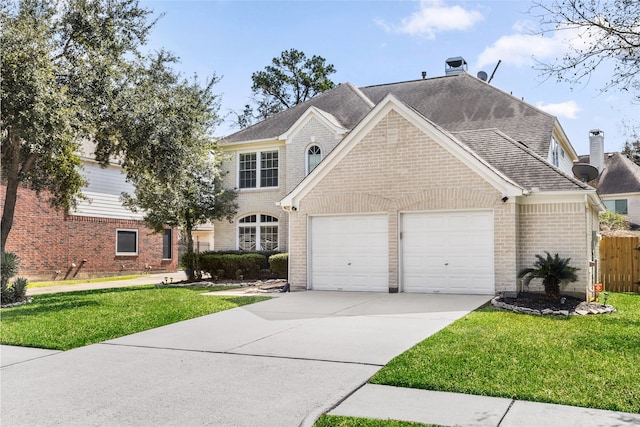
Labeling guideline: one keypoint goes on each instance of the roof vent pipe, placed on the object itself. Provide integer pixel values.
(454, 66)
(596, 149)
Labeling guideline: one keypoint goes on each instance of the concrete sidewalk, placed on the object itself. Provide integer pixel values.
(454, 409)
(147, 279)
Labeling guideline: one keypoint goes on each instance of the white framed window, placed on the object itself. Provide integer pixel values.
(258, 232)
(258, 169)
(618, 206)
(126, 242)
(313, 157)
(555, 149)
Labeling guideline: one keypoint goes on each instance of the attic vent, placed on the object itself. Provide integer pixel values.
(456, 65)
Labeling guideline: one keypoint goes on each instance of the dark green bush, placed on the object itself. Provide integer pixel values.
(249, 265)
(279, 264)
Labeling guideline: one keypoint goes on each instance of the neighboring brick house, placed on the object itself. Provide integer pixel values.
(618, 181)
(100, 238)
(436, 185)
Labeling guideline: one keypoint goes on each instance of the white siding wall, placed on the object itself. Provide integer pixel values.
(103, 190)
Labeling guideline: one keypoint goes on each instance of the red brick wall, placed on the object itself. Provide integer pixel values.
(49, 242)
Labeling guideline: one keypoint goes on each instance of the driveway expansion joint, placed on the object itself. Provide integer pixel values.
(234, 353)
(506, 412)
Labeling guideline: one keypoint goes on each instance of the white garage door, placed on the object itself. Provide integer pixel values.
(448, 252)
(349, 252)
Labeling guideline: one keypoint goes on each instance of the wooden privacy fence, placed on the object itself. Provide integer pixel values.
(620, 263)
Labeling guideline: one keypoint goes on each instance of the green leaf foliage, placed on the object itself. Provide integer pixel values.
(553, 270)
(610, 221)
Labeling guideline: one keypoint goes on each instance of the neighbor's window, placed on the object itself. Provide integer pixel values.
(314, 155)
(617, 206)
(258, 174)
(258, 233)
(555, 147)
(167, 244)
(126, 242)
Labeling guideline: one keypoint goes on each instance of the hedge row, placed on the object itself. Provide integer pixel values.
(241, 265)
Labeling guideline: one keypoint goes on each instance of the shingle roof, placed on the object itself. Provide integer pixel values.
(456, 103)
(519, 163)
(620, 175)
(345, 102)
(463, 102)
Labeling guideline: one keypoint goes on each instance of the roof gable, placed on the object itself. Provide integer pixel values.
(346, 104)
(327, 119)
(494, 177)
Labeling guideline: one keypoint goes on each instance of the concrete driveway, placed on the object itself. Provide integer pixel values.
(281, 362)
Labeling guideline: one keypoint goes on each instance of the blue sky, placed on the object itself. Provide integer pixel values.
(376, 42)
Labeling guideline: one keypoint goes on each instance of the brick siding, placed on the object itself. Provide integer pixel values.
(48, 242)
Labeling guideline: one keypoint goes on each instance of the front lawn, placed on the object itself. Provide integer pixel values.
(589, 361)
(47, 284)
(63, 321)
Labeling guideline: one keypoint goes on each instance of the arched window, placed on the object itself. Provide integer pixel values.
(258, 233)
(314, 155)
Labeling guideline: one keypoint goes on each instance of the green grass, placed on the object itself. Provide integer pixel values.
(63, 321)
(336, 421)
(81, 281)
(589, 361)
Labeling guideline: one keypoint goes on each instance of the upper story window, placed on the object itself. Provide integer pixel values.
(314, 155)
(617, 206)
(258, 233)
(555, 150)
(258, 174)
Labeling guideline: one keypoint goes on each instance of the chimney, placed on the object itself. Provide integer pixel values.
(596, 149)
(454, 66)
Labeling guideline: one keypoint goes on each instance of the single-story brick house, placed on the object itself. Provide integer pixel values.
(441, 185)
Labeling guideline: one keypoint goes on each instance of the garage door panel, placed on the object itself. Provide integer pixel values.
(349, 252)
(447, 252)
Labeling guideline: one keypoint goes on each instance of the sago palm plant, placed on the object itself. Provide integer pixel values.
(553, 271)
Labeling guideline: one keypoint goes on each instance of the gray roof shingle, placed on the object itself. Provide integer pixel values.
(519, 163)
(456, 103)
(620, 175)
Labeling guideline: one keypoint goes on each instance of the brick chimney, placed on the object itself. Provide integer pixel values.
(596, 149)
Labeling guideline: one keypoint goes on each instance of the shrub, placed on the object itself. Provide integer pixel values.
(8, 266)
(226, 266)
(610, 221)
(19, 289)
(279, 264)
(553, 270)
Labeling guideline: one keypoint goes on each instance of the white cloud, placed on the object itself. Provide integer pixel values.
(523, 48)
(434, 16)
(568, 109)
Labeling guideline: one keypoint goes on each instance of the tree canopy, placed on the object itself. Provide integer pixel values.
(289, 80)
(606, 31)
(75, 70)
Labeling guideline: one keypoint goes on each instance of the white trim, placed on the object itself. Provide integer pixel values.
(137, 242)
(263, 141)
(495, 178)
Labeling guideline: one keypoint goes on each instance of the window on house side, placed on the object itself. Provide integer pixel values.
(258, 233)
(248, 170)
(126, 242)
(617, 206)
(554, 152)
(258, 170)
(314, 155)
(269, 169)
(167, 244)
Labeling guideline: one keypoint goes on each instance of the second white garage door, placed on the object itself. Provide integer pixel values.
(349, 252)
(448, 252)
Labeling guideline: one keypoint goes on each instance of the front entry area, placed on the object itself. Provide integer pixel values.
(447, 252)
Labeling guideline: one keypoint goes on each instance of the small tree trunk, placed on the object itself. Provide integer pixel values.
(552, 289)
(191, 257)
(13, 181)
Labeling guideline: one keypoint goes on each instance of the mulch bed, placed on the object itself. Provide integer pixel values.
(538, 301)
